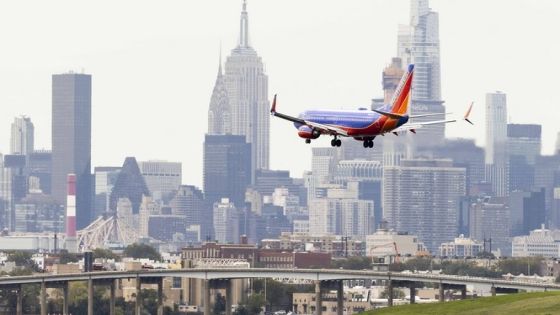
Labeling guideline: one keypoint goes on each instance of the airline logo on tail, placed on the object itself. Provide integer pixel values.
(401, 98)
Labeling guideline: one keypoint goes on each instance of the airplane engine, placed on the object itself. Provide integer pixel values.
(307, 132)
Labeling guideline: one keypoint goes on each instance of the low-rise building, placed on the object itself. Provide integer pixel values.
(541, 242)
(337, 246)
(387, 242)
(461, 247)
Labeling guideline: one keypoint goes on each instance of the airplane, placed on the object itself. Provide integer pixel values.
(363, 124)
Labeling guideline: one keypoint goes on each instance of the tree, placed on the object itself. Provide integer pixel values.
(526, 265)
(254, 305)
(142, 251)
(65, 257)
(105, 253)
(397, 294)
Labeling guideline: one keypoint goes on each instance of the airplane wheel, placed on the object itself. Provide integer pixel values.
(308, 141)
(333, 143)
(366, 144)
(370, 144)
(338, 142)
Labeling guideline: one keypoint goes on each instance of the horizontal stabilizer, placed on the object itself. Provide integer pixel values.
(390, 115)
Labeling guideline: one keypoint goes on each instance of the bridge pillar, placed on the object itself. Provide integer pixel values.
(318, 298)
(390, 293)
(441, 292)
(43, 298)
(340, 298)
(229, 296)
(90, 297)
(138, 304)
(493, 290)
(463, 292)
(19, 301)
(412, 293)
(112, 297)
(160, 296)
(207, 310)
(65, 289)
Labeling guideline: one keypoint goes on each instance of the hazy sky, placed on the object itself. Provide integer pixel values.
(154, 64)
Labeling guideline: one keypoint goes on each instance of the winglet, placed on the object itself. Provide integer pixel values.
(273, 109)
(466, 118)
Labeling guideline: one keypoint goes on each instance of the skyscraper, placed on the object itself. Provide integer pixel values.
(162, 177)
(247, 92)
(22, 138)
(130, 184)
(227, 168)
(557, 150)
(418, 43)
(422, 197)
(71, 140)
(219, 116)
(524, 140)
(497, 169)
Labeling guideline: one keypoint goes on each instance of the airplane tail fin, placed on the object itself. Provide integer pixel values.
(466, 117)
(401, 98)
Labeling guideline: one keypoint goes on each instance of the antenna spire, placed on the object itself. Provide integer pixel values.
(244, 27)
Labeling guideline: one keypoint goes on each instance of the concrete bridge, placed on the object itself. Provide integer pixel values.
(322, 278)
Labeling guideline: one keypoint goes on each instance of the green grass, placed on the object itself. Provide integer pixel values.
(539, 303)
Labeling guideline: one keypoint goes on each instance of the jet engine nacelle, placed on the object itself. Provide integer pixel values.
(307, 132)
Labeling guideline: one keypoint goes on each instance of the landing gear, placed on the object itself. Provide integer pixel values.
(368, 143)
(308, 141)
(336, 142)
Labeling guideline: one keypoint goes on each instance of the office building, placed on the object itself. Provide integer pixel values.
(71, 141)
(39, 166)
(130, 184)
(21, 141)
(524, 140)
(105, 179)
(247, 91)
(13, 187)
(227, 168)
(527, 211)
(490, 221)
(39, 213)
(418, 44)
(465, 154)
(539, 243)
(189, 203)
(547, 170)
(226, 222)
(163, 178)
(497, 169)
(422, 197)
(340, 212)
(386, 243)
(461, 247)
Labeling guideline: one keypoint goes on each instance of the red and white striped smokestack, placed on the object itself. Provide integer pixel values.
(71, 207)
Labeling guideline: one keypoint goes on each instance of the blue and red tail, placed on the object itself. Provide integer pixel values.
(401, 98)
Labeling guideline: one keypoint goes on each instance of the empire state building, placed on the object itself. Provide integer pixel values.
(239, 102)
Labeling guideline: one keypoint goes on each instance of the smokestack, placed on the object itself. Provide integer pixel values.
(71, 207)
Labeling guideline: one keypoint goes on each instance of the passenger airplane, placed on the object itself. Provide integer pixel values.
(363, 125)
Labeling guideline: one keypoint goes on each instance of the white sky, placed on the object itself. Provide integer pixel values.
(154, 64)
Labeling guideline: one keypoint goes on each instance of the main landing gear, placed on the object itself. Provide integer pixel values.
(308, 141)
(336, 142)
(368, 143)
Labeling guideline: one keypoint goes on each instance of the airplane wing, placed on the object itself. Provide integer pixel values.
(414, 126)
(328, 129)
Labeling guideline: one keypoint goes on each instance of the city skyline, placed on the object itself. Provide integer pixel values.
(181, 86)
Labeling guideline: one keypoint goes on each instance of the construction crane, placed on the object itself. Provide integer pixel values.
(391, 244)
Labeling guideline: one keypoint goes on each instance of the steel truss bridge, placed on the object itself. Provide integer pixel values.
(322, 278)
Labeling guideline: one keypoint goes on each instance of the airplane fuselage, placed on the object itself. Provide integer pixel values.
(361, 123)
